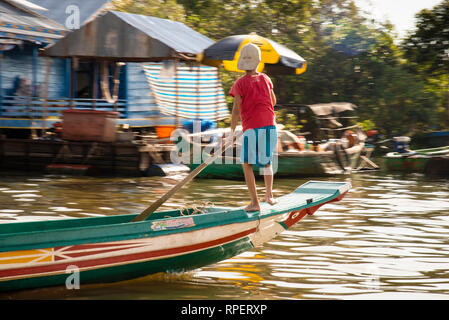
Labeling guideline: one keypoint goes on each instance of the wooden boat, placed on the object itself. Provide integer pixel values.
(437, 166)
(292, 159)
(413, 161)
(112, 248)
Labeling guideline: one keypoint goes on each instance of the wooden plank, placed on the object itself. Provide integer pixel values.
(107, 157)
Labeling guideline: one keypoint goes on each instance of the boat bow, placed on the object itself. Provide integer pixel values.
(111, 248)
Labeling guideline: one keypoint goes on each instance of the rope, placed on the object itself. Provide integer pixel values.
(197, 209)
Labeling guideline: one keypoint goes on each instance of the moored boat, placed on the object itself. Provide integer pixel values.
(292, 159)
(113, 248)
(413, 160)
(438, 166)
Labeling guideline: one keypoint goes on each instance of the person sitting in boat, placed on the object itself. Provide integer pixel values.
(254, 101)
(289, 142)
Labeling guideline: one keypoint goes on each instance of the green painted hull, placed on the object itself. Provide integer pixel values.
(407, 164)
(413, 162)
(286, 167)
(131, 271)
(301, 164)
(112, 248)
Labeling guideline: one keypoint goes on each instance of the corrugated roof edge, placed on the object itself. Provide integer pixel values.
(138, 21)
(57, 25)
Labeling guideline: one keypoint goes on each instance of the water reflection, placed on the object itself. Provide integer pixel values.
(387, 239)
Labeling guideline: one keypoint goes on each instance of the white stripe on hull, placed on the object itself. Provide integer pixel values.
(163, 242)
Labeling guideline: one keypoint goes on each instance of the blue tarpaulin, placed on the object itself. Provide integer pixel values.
(192, 92)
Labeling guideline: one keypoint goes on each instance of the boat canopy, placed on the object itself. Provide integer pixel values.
(126, 37)
(326, 109)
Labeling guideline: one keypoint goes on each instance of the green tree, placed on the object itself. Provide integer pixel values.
(427, 50)
(349, 58)
(428, 47)
(360, 63)
(165, 9)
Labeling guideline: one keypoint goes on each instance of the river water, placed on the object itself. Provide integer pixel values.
(387, 239)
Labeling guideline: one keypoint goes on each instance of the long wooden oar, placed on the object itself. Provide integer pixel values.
(146, 213)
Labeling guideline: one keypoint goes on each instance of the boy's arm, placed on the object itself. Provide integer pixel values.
(273, 98)
(236, 111)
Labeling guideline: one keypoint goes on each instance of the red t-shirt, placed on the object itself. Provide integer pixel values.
(257, 109)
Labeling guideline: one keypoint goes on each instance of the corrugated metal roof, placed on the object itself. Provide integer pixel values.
(16, 7)
(16, 23)
(29, 5)
(62, 11)
(128, 37)
(174, 34)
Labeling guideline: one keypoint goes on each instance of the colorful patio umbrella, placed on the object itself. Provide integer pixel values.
(275, 57)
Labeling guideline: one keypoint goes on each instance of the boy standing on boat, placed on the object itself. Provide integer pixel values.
(254, 101)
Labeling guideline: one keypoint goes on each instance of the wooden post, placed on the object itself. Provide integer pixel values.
(94, 85)
(45, 104)
(125, 89)
(116, 84)
(34, 72)
(71, 79)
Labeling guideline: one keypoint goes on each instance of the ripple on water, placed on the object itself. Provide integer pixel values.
(387, 239)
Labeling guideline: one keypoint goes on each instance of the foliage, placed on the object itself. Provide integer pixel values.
(349, 57)
(367, 125)
(165, 9)
(289, 120)
(427, 50)
(428, 47)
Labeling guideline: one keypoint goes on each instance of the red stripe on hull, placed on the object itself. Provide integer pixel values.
(61, 267)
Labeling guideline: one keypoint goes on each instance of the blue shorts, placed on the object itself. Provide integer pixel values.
(258, 145)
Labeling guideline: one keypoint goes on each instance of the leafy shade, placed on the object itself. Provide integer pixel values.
(349, 58)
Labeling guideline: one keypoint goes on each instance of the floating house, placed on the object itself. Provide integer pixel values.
(22, 33)
(142, 67)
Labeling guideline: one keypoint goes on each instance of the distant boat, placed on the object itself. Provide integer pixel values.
(292, 159)
(414, 160)
(435, 139)
(438, 166)
(112, 248)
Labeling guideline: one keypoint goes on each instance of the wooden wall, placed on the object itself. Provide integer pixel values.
(18, 62)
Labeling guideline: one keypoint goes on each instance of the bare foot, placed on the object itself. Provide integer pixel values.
(271, 200)
(251, 208)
